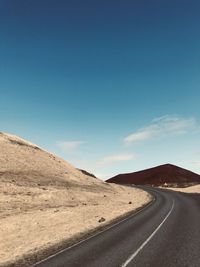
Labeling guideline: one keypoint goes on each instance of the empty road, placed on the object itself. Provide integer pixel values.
(164, 234)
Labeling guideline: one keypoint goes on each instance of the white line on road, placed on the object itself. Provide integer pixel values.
(132, 256)
(94, 235)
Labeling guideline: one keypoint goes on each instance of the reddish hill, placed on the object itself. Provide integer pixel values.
(160, 175)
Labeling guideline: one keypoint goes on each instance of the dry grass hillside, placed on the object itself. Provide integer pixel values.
(24, 164)
(191, 189)
(46, 203)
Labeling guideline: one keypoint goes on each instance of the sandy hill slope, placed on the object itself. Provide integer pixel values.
(46, 203)
(164, 174)
(24, 163)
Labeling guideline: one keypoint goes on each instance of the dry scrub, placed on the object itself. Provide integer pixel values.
(190, 189)
(44, 201)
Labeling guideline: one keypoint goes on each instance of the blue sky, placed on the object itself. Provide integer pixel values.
(111, 86)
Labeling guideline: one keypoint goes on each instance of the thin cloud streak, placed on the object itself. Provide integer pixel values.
(163, 126)
(116, 158)
(197, 163)
(67, 146)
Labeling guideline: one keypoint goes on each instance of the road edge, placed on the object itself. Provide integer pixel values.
(37, 257)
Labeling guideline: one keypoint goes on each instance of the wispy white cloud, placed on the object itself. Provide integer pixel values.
(69, 145)
(163, 126)
(116, 158)
(196, 162)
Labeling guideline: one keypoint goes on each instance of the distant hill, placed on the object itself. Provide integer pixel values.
(166, 175)
(87, 173)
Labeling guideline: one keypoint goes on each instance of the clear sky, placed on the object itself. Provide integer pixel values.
(111, 86)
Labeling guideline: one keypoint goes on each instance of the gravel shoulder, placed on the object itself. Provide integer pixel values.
(42, 221)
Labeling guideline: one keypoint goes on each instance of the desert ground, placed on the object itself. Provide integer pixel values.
(191, 189)
(46, 203)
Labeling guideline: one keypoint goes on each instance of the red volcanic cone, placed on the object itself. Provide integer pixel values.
(161, 175)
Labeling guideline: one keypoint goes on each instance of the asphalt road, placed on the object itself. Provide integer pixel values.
(164, 234)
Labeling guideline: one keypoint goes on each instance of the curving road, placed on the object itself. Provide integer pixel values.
(164, 234)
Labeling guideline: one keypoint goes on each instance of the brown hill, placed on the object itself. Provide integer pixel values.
(166, 174)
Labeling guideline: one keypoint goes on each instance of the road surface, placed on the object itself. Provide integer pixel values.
(164, 234)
